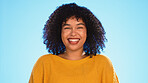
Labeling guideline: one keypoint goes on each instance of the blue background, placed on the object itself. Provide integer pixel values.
(21, 43)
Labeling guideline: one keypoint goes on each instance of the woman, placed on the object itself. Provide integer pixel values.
(74, 38)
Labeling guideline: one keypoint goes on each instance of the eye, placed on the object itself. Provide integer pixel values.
(80, 28)
(67, 28)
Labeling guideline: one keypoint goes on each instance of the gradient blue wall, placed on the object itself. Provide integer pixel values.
(125, 22)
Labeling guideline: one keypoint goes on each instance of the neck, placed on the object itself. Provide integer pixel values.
(74, 55)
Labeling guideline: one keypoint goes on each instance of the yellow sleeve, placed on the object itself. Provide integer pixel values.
(109, 75)
(37, 72)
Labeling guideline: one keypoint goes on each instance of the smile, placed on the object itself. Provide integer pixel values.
(73, 40)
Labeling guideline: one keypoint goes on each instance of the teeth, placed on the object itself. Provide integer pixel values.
(73, 40)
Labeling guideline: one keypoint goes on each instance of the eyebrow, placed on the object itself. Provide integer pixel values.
(69, 24)
(81, 24)
(66, 25)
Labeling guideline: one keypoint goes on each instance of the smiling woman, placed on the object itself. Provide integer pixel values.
(74, 38)
(73, 35)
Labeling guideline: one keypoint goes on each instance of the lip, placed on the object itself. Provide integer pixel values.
(73, 38)
(73, 42)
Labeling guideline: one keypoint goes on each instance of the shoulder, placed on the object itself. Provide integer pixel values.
(108, 72)
(44, 59)
(103, 59)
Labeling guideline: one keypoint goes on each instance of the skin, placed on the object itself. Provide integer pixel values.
(73, 29)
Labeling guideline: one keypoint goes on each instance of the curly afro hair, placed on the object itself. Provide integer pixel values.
(52, 29)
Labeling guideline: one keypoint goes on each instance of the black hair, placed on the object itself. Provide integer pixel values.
(52, 29)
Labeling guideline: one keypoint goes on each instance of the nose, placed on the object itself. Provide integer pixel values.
(73, 32)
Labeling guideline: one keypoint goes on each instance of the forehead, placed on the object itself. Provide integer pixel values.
(73, 19)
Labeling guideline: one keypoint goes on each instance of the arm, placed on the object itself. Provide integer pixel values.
(109, 75)
(37, 72)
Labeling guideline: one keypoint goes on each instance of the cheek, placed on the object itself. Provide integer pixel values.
(84, 34)
(64, 35)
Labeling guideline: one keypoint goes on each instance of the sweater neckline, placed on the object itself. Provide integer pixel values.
(71, 61)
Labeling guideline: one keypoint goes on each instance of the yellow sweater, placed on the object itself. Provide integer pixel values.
(54, 69)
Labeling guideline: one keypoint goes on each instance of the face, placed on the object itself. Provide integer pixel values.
(74, 34)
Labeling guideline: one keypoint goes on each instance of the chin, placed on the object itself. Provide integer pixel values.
(73, 48)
